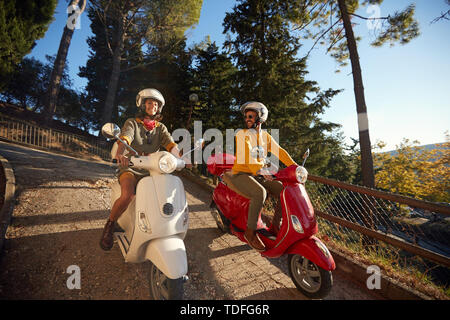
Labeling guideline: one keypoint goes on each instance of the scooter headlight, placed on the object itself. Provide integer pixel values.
(302, 174)
(167, 163)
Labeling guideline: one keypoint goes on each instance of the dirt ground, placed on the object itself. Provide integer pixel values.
(61, 206)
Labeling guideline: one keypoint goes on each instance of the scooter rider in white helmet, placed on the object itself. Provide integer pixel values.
(145, 134)
(248, 173)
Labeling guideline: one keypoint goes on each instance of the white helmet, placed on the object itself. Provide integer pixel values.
(150, 93)
(258, 107)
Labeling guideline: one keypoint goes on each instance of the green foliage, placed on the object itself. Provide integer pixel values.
(28, 87)
(415, 171)
(268, 71)
(169, 19)
(21, 24)
(214, 81)
(320, 21)
(152, 33)
(97, 66)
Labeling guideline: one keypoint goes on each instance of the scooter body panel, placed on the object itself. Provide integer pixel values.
(314, 250)
(233, 206)
(159, 210)
(168, 255)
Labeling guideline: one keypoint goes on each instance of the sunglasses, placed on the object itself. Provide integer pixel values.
(249, 116)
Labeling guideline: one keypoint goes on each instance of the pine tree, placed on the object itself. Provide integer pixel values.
(330, 22)
(265, 53)
(156, 21)
(75, 9)
(214, 82)
(97, 67)
(21, 24)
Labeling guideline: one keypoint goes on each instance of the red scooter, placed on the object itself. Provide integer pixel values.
(309, 261)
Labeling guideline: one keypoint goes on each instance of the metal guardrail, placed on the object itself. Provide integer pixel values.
(22, 132)
(411, 230)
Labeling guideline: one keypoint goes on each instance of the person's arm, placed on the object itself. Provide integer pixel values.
(279, 152)
(127, 135)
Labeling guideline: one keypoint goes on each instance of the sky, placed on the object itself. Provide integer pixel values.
(407, 87)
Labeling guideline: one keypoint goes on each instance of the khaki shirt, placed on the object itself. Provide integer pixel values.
(145, 141)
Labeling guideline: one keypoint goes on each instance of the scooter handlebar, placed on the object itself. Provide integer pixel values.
(116, 163)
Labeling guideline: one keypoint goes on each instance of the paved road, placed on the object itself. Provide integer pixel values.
(61, 206)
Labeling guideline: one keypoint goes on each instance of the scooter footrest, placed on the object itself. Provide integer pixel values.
(117, 228)
(266, 234)
(263, 232)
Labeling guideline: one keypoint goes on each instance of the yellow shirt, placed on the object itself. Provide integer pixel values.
(249, 159)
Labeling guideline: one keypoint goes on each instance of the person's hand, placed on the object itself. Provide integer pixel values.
(122, 160)
(188, 165)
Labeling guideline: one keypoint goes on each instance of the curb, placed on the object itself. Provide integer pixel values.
(8, 204)
(390, 288)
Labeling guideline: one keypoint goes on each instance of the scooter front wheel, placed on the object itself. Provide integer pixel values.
(311, 280)
(162, 287)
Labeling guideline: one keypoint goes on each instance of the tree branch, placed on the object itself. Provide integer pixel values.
(361, 17)
(445, 16)
(321, 36)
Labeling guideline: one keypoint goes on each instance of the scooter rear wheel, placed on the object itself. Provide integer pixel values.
(163, 288)
(311, 280)
(222, 222)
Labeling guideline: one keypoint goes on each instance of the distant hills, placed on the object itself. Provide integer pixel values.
(427, 147)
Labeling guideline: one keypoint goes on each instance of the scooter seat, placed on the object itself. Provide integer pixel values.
(227, 179)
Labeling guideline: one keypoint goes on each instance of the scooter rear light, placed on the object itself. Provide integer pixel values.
(297, 224)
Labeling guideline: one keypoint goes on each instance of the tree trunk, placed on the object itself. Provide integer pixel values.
(55, 78)
(58, 67)
(115, 74)
(363, 126)
(363, 122)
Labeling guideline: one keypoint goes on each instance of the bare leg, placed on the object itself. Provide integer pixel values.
(127, 187)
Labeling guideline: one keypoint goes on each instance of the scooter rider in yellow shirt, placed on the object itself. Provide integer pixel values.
(249, 175)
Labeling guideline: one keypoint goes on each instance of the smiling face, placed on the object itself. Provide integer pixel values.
(151, 106)
(250, 118)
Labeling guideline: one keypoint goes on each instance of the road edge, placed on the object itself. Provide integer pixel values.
(8, 204)
(353, 270)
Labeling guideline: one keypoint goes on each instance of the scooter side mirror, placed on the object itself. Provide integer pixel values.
(305, 156)
(110, 130)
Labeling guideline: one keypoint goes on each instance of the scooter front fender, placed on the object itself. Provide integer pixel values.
(314, 250)
(168, 255)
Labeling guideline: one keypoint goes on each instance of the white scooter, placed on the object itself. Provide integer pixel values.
(156, 221)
